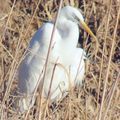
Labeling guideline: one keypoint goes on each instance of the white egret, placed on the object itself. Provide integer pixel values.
(63, 50)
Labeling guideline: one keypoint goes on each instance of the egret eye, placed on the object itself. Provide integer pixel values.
(76, 18)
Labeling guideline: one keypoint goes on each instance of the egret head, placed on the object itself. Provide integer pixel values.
(71, 13)
(74, 14)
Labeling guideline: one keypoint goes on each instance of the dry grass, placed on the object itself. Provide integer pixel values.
(99, 98)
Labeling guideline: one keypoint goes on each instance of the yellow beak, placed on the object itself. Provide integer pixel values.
(87, 29)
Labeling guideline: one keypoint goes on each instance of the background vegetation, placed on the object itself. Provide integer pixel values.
(99, 97)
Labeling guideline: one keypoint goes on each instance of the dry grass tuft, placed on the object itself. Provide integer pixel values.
(99, 97)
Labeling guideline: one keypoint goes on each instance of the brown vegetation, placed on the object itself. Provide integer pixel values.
(99, 97)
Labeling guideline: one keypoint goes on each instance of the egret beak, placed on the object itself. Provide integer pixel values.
(87, 29)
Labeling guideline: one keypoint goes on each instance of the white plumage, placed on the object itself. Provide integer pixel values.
(63, 51)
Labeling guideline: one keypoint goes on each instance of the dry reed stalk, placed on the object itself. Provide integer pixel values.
(108, 68)
(111, 54)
